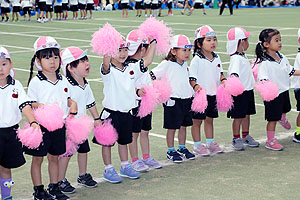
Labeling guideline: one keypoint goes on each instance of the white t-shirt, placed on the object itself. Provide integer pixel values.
(154, 1)
(125, 1)
(278, 72)
(27, 3)
(65, 1)
(295, 80)
(198, 1)
(90, 2)
(147, 1)
(42, 90)
(206, 72)
(58, 3)
(82, 1)
(73, 2)
(15, 3)
(13, 99)
(48, 2)
(4, 4)
(240, 65)
(178, 77)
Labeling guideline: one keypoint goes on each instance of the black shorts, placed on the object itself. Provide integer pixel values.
(275, 108)
(211, 110)
(11, 152)
(84, 147)
(198, 5)
(74, 8)
(58, 9)
(122, 122)
(49, 8)
(297, 96)
(147, 5)
(138, 5)
(53, 143)
(169, 5)
(65, 6)
(187, 2)
(124, 6)
(154, 6)
(27, 10)
(141, 123)
(177, 113)
(5, 10)
(243, 104)
(16, 8)
(81, 6)
(42, 6)
(160, 4)
(89, 6)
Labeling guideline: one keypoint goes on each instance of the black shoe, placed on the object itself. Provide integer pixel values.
(185, 153)
(296, 138)
(41, 195)
(55, 192)
(174, 156)
(65, 186)
(86, 180)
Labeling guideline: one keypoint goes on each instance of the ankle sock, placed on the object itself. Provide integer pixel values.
(124, 164)
(298, 130)
(146, 156)
(197, 144)
(5, 190)
(209, 141)
(245, 133)
(39, 188)
(283, 116)
(108, 166)
(236, 136)
(270, 135)
(181, 146)
(170, 149)
(134, 159)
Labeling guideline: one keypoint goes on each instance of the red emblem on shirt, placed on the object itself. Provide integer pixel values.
(15, 93)
(131, 72)
(66, 89)
(219, 65)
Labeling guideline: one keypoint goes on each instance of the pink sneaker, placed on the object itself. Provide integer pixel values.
(285, 124)
(214, 148)
(201, 150)
(274, 145)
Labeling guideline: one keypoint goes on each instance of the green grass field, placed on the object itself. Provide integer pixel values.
(252, 174)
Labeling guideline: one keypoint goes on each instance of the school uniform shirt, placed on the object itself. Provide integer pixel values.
(49, 2)
(83, 96)
(125, 1)
(240, 65)
(147, 1)
(73, 2)
(90, 2)
(58, 3)
(42, 0)
(4, 4)
(206, 72)
(295, 80)
(138, 0)
(278, 72)
(13, 99)
(65, 1)
(178, 77)
(27, 3)
(15, 3)
(44, 91)
(198, 1)
(154, 1)
(82, 2)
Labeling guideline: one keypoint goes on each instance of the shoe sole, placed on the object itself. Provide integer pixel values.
(201, 155)
(267, 147)
(143, 170)
(238, 149)
(175, 161)
(69, 192)
(249, 145)
(87, 186)
(295, 140)
(126, 176)
(112, 181)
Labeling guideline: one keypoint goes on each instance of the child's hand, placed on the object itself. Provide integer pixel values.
(35, 125)
(97, 123)
(141, 92)
(197, 87)
(73, 109)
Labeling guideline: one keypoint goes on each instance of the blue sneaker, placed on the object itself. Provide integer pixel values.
(129, 172)
(111, 176)
(174, 156)
(186, 154)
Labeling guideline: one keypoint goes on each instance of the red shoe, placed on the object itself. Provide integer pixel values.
(274, 145)
(285, 124)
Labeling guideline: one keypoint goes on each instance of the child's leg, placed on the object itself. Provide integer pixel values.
(247, 139)
(62, 166)
(182, 150)
(5, 176)
(126, 12)
(123, 152)
(144, 142)
(133, 148)
(91, 14)
(271, 125)
(204, 11)
(82, 163)
(36, 173)
(106, 155)
(196, 131)
(209, 128)
(13, 16)
(170, 139)
(53, 168)
(236, 124)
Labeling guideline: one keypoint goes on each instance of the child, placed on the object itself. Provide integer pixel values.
(243, 104)
(177, 110)
(65, 8)
(170, 5)
(147, 5)
(275, 67)
(16, 7)
(13, 101)
(206, 71)
(119, 99)
(76, 68)
(138, 7)
(58, 9)
(47, 87)
(5, 10)
(74, 8)
(124, 6)
(43, 8)
(154, 7)
(186, 5)
(27, 7)
(49, 11)
(137, 50)
(197, 5)
(82, 6)
(90, 7)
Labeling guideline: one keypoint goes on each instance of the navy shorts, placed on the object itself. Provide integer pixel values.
(74, 8)
(243, 104)
(49, 8)
(198, 5)
(177, 113)
(84, 147)
(81, 6)
(27, 10)
(124, 6)
(53, 143)
(11, 152)
(297, 96)
(211, 110)
(42, 6)
(141, 123)
(58, 9)
(16, 8)
(147, 5)
(4, 10)
(89, 6)
(154, 6)
(65, 6)
(275, 108)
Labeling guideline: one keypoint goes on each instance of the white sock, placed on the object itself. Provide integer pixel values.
(108, 166)
(124, 163)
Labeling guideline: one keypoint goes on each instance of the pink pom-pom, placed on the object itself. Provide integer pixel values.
(267, 89)
(254, 69)
(50, 117)
(106, 41)
(149, 101)
(200, 101)
(234, 86)
(106, 134)
(71, 148)
(152, 28)
(224, 100)
(30, 137)
(78, 128)
(164, 89)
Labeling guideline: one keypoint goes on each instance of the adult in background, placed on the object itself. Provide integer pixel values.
(229, 3)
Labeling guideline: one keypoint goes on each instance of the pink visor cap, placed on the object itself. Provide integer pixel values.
(69, 55)
(5, 54)
(204, 31)
(134, 41)
(44, 42)
(180, 41)
(233, 37)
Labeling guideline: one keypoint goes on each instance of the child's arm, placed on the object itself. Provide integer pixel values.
(106, 64)
(27, 111)
(73, 107)
(222, 78)
(194, 85)
(150, 53)
(296, 73)
(35, 105)
(94, 112)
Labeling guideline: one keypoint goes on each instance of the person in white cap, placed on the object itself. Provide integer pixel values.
(243, 104)
(206, 71)
(177, 110)
(76, 67)
(48, 87)
(13, 102)
(137, 50)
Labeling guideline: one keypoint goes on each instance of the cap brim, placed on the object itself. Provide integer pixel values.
(133, 47)
(12, 72)
(231, 46)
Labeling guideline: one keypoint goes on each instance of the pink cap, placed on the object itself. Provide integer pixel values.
(5, 54)
(204, 31)
(69, 55)
(180, 41)
(134, 41)
(233, 37)
(299, 35)
(123, 43)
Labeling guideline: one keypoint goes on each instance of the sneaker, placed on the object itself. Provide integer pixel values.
(65, 186)
(56, 193)
(145, 15)
(139, 166)
(129, 172)
(150, 162)
(296, 138)
(7, 19)
(249, 141)
(174, 156)
(111, 175)
(40, 20)
(285, 124)
(238, 144)
(274, 145)
(186, 154)
(201, 150)
(8, 198)
(182, 12)
(189, 14)
(41, 195)
(86, 180)
(214, 148)
(204, 14)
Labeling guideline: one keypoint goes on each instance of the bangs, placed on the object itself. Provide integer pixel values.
(48, 53)
(85, 58)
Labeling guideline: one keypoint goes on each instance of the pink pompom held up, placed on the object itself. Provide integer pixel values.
(267, 89)
(255, 69)
(50, 117)
(106, 41)
(234, 86)
(224, 100)
(106, 134)
(30, 137)
(149, 101)
(164, 89)
(78, 129)
(200, 101)
(153, 28)
(71, 148)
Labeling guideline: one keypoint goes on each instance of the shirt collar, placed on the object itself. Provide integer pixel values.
(203, 57)
(42, 77)
(240, 54)
(73, 82)
(270, 58)
(131, 60)
(10, 80)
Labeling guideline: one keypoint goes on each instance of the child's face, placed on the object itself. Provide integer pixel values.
(49, 64)
(82, 70)
(5, 66)
(275, 43)
(245, 44)
(122, 55)
(209, 43)
(182, 54)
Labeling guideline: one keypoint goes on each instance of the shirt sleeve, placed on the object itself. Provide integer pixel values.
(262, 73)
(23, 99)
(105, 75)
(193, 71)
(33, 90)
(90, 99)
(234, 66)
(160, 70)
(139, 68)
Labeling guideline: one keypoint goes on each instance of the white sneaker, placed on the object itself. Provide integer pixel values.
(146, 15)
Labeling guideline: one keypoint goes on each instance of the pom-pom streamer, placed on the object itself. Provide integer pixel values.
(234, 86)
(149, 101)
(78, 128)
(30, 137)
(267, 89)
(224, 100)
(106, 134)
(200, 101)
(164, 89)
